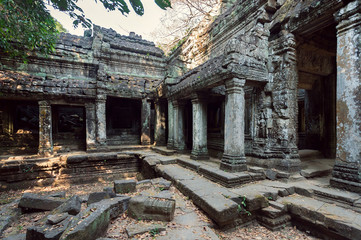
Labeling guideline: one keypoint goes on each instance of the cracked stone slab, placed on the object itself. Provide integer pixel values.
(141, 228)
(201, 233)
(175, 172)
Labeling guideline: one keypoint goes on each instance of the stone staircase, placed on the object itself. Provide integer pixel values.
(232, 199)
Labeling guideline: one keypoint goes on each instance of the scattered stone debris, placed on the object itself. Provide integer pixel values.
(30, 201)
(124, 186)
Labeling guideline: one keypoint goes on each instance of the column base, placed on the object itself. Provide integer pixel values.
(233, 163)
(170, 144)
(346, 175)
(180, 148)
(197, 155)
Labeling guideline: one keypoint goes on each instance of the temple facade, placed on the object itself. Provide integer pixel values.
(262, 81)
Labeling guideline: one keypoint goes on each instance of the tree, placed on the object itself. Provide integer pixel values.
(27, 25)
(184, 16)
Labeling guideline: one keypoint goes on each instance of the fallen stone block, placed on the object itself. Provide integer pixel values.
(48, 231)
(52, 226)
(92, 222)
(30, 201)
(21, 236)
(161, 183)
(271, 174)
(98, 196)
(58, 194)
(8, 213)
(141, 228)
(124, 186)
(57, 218)
(148, 208)
(71, 206)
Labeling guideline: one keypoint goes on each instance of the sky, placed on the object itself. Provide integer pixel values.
(141, 25)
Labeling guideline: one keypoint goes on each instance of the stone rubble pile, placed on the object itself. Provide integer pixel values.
(66, 219)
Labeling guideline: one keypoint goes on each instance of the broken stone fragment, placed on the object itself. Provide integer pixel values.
(148, 208)
(161, 183)
(57, 218)
(71, 206)
(30, 201)
(48, 231)
(124, 186)
(141, 228)
(92, 222)
(98, 196)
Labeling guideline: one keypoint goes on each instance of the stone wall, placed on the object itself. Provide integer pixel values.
(84, 72)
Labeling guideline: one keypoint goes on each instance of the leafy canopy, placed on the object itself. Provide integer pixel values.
(27, 24)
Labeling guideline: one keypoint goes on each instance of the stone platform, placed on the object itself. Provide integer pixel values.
(310, 204)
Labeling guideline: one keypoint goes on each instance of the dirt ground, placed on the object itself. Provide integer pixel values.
(117, 227)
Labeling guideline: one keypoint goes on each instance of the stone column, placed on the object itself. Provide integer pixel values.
(90, 125)
(100, 109)
(145, 121)
(45, 129)
(159, 131)
(234, 159)
(282, 152)
(347, 170)
(199, 107)
(170, 143)
(179, 141)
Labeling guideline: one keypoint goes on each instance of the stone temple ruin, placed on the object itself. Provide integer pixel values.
(255, 88)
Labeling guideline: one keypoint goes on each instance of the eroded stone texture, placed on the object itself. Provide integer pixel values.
(347, 171)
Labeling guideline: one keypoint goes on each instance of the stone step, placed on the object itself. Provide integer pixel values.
(323, 219)
(164, 151)
(210, 197)
(224, 178)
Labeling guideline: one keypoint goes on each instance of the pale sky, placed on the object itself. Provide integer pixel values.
(141, 25)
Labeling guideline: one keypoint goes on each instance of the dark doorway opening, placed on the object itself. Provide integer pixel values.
(68, 128)
(19, 127)
(123, 118)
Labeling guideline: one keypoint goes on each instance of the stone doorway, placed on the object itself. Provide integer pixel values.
(19, 127)
(316, 62)
(68, 128)
(123, 117)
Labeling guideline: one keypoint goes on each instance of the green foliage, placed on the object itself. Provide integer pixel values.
(241, 208)
(154, 232)
(26, 25)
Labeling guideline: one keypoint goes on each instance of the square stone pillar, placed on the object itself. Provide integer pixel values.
(45, 129)
(145, 121)
(199, 107)
(281, 151)
(179, 140)
(347, 170)
(234, 159)
(100, 109)
(170, 143)
(160, 122)
(90, 125)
